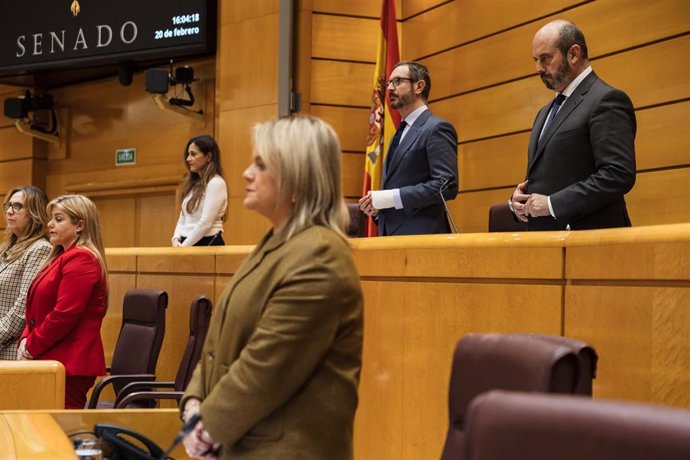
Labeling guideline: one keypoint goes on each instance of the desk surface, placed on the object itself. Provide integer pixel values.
(38, 435)
(32, 435)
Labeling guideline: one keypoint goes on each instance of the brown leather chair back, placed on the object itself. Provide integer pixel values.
(141, 334)
(199, 319)
(518, 426)
(517, 362)
(501, 219)
(358, 222)
(586, 355)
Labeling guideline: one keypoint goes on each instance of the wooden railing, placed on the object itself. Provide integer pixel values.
(625, 291)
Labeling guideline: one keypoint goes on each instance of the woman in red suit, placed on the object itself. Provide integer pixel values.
(67, 300)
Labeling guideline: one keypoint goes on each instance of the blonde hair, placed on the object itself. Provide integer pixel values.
(305, 154)
(78, 207)
(35, 201)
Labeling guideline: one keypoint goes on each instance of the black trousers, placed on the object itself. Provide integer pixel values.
(215, 240)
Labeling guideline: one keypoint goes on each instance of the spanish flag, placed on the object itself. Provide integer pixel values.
(382, 119)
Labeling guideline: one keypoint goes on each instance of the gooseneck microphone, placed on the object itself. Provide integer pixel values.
(447, 182)
(186, 429)
(450, 180)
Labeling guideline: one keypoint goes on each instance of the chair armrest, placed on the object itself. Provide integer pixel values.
(109, 380)
(139, 395)
(140, 386)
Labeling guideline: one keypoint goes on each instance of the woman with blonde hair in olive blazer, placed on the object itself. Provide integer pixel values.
(280, 368)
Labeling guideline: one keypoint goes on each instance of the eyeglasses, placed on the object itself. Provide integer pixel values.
(16, 207)
(397, 80)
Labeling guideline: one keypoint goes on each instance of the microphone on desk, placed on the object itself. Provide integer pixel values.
(186, 429)
(450, 180)
(447, 182)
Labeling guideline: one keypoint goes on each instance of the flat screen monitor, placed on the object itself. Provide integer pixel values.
(47, 35)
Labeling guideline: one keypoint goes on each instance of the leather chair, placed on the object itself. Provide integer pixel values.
(199, 319)
(586, 356)
(518, 362)
(357, 227)
(511, 426)
(501, 219)
(138, 344)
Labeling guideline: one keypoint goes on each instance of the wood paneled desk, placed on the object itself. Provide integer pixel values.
(625, 291)
(43, 435)
(32, 385)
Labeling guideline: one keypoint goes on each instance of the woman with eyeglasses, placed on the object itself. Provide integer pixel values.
(67, 301)
(22, 255)
(205, 196)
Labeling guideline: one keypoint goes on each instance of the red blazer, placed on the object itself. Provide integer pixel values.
(64, 311)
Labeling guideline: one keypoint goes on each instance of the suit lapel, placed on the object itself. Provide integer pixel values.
(407, 142)
(268, 244)
(538, 145)
(43, 273)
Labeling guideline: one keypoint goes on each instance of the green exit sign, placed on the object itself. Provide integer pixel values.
(125, 157)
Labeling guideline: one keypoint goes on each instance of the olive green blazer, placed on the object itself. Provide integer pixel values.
(279, 372)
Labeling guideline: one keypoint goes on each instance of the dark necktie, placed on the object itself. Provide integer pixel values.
(394, 143)
(553, 111)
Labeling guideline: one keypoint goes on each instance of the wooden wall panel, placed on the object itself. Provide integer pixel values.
(247, 93)
(14, 173)
(511, 107)
(31, 385)
(631, 328)
(414, 7)
(352, 7)
(470, 20)
(332, 83)
(351, 124)
(497, 162)
(456, 70)
(248, 64)
(345, 38)
(447, 312)
(118, 221)
(14, 145)
(663, 139)
(660, 79)
(352, 174)
(156, 222)
(244, 226)
(660, 197)
(236, 11)
(658, 253)
(234, 132)
(471, 210)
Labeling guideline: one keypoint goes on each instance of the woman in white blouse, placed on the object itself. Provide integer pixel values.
(205, 196)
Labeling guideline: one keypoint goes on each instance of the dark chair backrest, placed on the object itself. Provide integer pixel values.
(517, 426)
(358, 222)
(199, 319)
(517, 362)
(586, 355)
(501, 219)
(141, 334)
